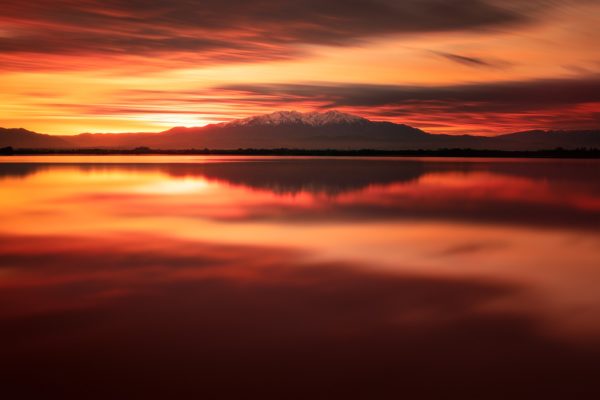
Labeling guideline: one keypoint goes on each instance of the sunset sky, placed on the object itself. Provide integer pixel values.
(445, 66)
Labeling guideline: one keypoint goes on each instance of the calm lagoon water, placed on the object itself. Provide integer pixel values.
(299, 278)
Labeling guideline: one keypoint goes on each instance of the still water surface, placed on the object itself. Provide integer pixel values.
(299, 278)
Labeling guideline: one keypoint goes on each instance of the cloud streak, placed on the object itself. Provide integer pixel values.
(230, 30)
(466, 60)
(534, 93)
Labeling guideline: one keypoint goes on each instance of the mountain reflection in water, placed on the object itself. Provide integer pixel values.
(224, 277)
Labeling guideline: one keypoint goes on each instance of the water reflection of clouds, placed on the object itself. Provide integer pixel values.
(345, 278)
(529, 193)
(177, 318)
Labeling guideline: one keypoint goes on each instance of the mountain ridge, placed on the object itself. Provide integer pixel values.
(295, 117)
(313, 130)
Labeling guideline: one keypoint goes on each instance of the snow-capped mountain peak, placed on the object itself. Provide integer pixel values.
(295, 117)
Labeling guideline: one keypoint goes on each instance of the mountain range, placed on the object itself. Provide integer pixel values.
(291, 129)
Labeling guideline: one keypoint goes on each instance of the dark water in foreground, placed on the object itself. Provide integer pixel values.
(233, 278)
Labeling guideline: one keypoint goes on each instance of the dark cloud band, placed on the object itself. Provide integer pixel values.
(232, 30)
(495, 96)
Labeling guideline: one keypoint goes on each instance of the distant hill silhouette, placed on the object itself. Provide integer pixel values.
(22, 138)
(290, 129)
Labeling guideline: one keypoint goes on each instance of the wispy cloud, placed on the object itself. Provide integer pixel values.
(228, 30)
(469, 61)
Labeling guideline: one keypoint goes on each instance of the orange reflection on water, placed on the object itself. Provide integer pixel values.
(450, 271)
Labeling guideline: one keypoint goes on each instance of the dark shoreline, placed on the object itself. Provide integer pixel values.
(548, 153)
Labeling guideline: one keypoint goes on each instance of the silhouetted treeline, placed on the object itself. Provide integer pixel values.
(547, 153)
